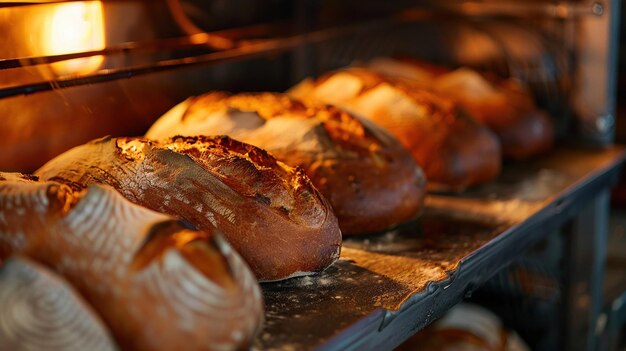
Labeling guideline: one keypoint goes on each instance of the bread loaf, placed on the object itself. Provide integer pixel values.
(269, 212)
(503, 105)
(466, 327)
(156, 284)
(39, 311)
(369, 178)
(453, 149)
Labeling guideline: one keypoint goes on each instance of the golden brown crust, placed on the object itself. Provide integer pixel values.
(503, 105)
(523, 129)
(253, 173)
(156, 284)
(369, 178)
(20, 177)
(454, 151)
(269, 212)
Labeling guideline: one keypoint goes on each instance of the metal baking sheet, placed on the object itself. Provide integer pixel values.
(386, 287)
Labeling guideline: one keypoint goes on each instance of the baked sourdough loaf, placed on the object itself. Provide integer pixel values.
(369, 178)
(454, 150)
(155, 283)
(41, 311)
(503, 105)
(269, 212)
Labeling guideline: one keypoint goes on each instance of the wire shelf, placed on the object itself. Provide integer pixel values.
(254, 42)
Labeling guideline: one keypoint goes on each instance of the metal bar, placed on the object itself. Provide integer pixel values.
(595, 76)
(245, 50)
(10, 3)
(585, 262)
(218, 40)
(562, 10)
(170, 43)
(303, 56)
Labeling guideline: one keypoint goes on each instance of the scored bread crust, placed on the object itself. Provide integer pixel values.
(454, 150)
(65, 323)
(370, 180)
(269, 212)
(503, 105)
(155, 283)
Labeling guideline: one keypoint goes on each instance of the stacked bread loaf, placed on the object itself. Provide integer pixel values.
(454, 150)
(370, 180)
(146, 277)
(504, 105)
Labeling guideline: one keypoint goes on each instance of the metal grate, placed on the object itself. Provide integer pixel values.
(345, 41)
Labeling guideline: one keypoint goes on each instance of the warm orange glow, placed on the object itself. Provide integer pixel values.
(75, 27)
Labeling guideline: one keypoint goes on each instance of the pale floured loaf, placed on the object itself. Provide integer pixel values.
(39, 310)
(155, 283)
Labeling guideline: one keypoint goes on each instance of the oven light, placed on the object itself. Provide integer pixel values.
(75, 27)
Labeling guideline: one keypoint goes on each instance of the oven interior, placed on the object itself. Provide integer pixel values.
(73, 71)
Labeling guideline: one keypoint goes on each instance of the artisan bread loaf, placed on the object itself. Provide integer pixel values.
(454, 150)
(370, 180)
(504, 105)
(269, 212)
(40, 311)
(155, 283)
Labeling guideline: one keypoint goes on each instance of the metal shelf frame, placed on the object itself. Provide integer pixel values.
(387, 287)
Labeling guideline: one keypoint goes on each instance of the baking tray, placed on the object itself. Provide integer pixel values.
(386, 287)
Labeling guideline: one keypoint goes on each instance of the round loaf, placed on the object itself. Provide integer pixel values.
(269, 212)
(503, 105)
(453, 149)
(40, 311)
(370, 180)
(154, 282)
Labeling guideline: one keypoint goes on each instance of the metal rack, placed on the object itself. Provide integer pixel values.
(387, 287)
(214, 48)
(261, 40)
